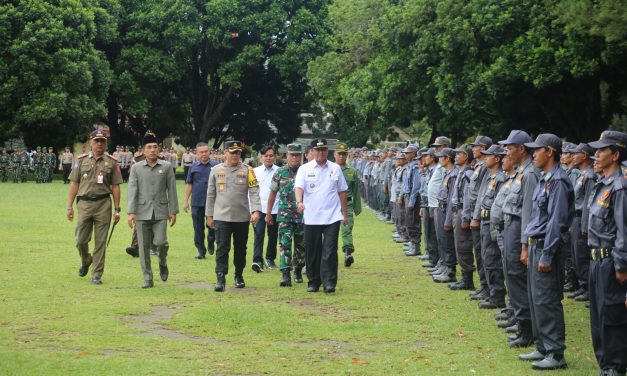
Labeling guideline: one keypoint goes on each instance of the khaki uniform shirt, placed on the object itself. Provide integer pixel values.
(229, 191)
(95, 176)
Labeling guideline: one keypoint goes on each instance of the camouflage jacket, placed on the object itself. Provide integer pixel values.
(283, 184)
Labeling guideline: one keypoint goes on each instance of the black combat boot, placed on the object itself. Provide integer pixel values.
(466, 283)
(525, 335)
(221, 283)
(286, 278)
(298, 274)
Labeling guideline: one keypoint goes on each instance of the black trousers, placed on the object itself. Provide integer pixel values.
(608, 315)
(260, 230)
(476, 245)
(239, 232)
(545, 300)
(321, 254)
(67, 168)
(198, 220)
(514, 270)
(431, 240)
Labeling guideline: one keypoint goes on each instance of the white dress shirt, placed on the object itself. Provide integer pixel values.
(321, 185)
(264, 177)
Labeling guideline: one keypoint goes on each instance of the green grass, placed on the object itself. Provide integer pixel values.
(387, 316)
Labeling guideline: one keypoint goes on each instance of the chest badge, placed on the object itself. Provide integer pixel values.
(605, 195)
(160, 172)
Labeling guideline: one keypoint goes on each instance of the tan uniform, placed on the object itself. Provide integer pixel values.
(95, 178)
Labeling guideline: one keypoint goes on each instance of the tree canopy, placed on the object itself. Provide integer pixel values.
(475, 66)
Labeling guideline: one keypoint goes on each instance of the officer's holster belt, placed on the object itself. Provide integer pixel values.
(600, 253)
(534, 241)
(485, 213)
(91, 197)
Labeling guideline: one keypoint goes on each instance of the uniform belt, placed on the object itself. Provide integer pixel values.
(600, 253)
(534, 241)
(442, 205)
(92, 197)
(577, 213)
(485, 213)
(457, 207)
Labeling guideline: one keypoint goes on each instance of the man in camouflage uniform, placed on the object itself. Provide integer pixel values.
(289, 220)
(4, 166)
(353, 202)
(24, 161)
(38, 162)
(51, 162)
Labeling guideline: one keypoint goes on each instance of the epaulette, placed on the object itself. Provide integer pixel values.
(82, 156)
(111, 156)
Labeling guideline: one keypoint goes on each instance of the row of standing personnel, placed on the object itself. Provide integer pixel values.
(17, 164)
(512, 213)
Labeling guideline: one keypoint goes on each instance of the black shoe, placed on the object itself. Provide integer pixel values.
(488, 304)
(533, 356)
(507, 323)
(256, 267)
(550, 361)
(412, 252)
(578, 292)
(132, 252)
(270, 264)
(298, 275)
(83, 270)
(329, 289)
(427, 265)
(96, 281)
(483, 294)
(148, 284)
(239, 282)
(220, 283)
(211, 250)
(313, 288)
(163, 272)
(153, 251)
(569, 287)
(582, 297)
(348, 260)
(504, 315)
(199, 257)
(286, 278)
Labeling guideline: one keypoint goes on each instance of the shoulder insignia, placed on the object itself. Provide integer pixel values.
(111, 156)
(82, 156)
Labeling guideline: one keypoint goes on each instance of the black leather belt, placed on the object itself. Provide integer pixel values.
(92, 197)
(600, 253)
(457, 207)
(442, 205)
(577, 213)
(485, 213)
(534, 241)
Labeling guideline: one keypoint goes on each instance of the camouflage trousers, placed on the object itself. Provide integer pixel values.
(4, 173)
(347, 232)
(289, 233)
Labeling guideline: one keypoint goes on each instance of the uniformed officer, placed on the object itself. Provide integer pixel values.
(431, 242)
(51, 161)
(471, 217)
(290, 222)
(232, 186)
(551, 214)
(517, 213)
(411, 199)
(433, 189)
(25, 163)
(567, 162)
(608, 268)
(152, 202)
(490, 252)
(395, 193)
(321, 197)
(462, 236)
(353, 202)
(94, 177)
(579, 229)
(446, 241)
(66, 163)
(39, 164)
(4, 165)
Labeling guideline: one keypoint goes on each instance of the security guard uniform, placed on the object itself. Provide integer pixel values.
(606, 238)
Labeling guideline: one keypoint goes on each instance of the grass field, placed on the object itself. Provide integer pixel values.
(387, 317)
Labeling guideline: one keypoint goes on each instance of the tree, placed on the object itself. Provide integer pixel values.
(52, 80)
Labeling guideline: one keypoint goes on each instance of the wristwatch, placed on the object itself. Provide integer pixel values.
(117, 210)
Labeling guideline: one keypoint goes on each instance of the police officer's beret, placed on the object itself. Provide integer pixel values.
(584, 148)
(441, 141)
(319, 143)
(546, 140)
(494, 150)
(465, 148)
(98, 134)
(516, 137)
(610, 138)
(446, 152)
(295, 148)
(482, 141)
(233, 146)
(341, 148)
(568, 147)
(149, 138)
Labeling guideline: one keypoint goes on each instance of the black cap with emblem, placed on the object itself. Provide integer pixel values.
(319, 143)
(150, 138)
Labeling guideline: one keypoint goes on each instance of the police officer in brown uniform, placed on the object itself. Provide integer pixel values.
(94, 177)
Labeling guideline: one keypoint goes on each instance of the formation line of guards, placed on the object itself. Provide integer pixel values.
(532, 218)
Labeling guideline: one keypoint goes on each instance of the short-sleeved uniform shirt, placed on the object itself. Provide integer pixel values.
(95, 176)
(321, 185)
